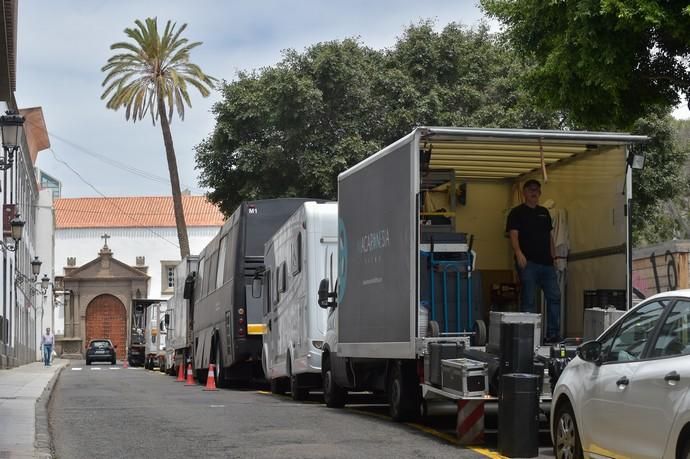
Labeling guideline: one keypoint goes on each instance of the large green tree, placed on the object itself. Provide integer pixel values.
(606, 62)
(151, 75)
(616, 65)
(289, 129)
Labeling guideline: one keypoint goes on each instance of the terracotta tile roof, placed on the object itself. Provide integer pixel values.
(133, 212)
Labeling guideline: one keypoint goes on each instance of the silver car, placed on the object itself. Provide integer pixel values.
(626, 394)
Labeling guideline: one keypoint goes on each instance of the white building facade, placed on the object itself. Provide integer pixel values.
(140, 232)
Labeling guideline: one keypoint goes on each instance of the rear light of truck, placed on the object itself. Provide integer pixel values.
(240, 321)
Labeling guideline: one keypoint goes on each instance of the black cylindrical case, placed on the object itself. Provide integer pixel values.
(518, 415)
(517, 348)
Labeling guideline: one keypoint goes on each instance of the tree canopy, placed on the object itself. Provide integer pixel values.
(289, 129)
(606, 62)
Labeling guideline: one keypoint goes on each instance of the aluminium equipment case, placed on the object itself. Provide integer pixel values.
(465, 377)
(598, 319)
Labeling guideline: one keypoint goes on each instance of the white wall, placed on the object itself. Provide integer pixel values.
(45, 235)
(156, 244)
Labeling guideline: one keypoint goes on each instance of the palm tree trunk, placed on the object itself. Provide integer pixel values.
(174, 181)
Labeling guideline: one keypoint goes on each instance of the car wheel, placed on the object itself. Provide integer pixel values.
(567, 444)
(88, 362)
(685, 451)
(113, 362)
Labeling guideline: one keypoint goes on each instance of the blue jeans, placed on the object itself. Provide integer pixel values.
(544, 276)
(47, 353)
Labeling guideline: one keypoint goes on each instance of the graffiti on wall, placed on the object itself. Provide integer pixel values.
(656, 274)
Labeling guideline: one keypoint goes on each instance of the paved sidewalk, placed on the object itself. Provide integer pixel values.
(20, 390)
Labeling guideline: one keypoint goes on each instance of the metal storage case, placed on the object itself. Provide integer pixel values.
(465, 377)
(497, 318)
(598, 319)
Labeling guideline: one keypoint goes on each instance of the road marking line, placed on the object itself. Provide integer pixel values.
(96, 369)
(76, 369)
(114, 368)
(217, 406)
(435, 433)
(428, 430)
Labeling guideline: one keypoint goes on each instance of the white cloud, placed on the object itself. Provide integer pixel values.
(62, 46)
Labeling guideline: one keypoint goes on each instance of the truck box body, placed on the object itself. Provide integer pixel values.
(296, 258)
(179, 333)
(377, 273)
(380, 200)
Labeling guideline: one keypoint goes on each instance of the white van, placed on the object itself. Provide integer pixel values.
(301, 253)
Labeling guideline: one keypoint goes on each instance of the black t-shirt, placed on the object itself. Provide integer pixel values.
(534, 232)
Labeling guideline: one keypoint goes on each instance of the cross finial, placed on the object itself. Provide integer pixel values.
(105, 238)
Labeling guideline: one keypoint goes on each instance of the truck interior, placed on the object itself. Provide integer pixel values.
(469, 181)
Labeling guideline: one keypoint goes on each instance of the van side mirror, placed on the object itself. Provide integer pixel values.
(590, 352)
(257, 283)
(326, 299)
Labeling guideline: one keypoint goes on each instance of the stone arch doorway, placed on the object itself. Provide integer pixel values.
(106, 317)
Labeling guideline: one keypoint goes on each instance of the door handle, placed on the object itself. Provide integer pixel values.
(624, 381)
(672, 376)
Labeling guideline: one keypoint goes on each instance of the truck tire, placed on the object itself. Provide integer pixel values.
(298, 393)
(403, 391)
(333, 395)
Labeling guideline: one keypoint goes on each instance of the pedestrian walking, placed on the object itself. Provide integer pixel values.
(47, 341)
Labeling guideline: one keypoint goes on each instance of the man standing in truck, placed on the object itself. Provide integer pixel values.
(530, 228)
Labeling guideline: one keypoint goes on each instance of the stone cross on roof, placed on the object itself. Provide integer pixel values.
(105, 238)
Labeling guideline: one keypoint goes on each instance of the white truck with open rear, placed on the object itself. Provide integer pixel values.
(296, 259)
(421, 229)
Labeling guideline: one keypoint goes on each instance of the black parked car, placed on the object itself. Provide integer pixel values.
(100, 350)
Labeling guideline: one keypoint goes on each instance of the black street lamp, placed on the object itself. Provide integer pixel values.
(45, 282)
(11, 123)
(17, 227)
(36, 267)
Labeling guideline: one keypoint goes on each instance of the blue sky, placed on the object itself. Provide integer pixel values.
(63, 44)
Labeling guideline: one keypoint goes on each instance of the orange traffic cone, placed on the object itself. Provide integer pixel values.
(190, 376)
(180, 374)
(211, 380)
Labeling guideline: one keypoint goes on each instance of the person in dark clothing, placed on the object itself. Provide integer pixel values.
(529, 226)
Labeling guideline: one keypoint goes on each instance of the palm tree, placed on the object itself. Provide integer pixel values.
(152, 76)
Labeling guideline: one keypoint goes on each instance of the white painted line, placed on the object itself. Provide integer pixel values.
(217, 406)
(76, 369)
(114, 368)
(96, 369)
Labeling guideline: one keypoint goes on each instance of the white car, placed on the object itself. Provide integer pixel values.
(626, 394)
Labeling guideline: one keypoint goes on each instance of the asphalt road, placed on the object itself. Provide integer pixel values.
(109, 411)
